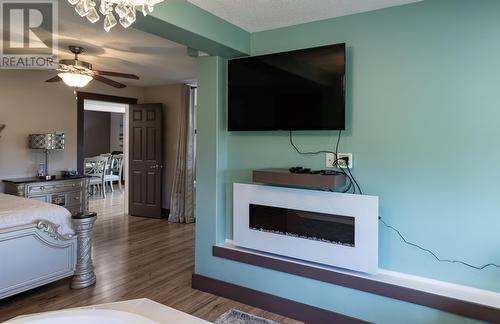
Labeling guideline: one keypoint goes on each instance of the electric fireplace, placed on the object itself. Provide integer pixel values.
(328, 228)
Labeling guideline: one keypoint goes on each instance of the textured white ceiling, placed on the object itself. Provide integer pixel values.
(258, 15)
(157, 61)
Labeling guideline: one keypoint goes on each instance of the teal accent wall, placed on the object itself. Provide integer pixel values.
(211, 157)
(423, 117)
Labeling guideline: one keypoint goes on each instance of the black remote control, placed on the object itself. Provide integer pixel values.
(329, 172)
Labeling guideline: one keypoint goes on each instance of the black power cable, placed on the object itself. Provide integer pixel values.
(434, 254)
(352, 181)
(353, 184)
(306, 153)
(338, 142)
(350, 185)
(350, 176)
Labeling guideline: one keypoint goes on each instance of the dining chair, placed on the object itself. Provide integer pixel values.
(115, 171)
(95, 167)
(107, 170)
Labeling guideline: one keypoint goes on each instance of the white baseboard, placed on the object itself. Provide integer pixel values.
(437, 287)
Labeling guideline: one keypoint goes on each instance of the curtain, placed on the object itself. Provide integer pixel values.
(182, 196)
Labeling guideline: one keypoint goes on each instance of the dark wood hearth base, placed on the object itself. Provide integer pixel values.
(271, 303)
(447, 304)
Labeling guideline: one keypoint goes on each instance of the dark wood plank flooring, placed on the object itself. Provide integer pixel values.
(134, 258)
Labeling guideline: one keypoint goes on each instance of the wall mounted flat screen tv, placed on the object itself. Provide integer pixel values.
(297, 90)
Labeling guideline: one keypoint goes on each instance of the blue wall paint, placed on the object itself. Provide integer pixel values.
(422, 104)
(211, 157)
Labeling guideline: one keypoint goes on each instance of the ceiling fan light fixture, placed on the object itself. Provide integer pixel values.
(75, 80)
(77, 73)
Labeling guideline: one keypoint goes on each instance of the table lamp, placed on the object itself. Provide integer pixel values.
(47, 142)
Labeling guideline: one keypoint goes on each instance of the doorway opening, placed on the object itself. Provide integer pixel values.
(102, 150)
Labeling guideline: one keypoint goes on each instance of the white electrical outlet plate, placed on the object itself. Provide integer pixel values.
(342, 163)
(330, 160)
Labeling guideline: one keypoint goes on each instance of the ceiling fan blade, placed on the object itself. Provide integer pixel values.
(118, 74)
(54, 79)
(109, 81)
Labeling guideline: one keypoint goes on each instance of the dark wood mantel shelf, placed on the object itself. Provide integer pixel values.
(283, 177)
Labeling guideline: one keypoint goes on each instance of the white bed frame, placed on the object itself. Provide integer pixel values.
(36, 254)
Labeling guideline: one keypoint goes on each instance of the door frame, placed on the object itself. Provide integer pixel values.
(80, 98)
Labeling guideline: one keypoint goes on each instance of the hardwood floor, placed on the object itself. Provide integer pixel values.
(134, 258)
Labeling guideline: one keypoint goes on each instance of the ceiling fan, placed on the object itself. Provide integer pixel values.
(78, 74)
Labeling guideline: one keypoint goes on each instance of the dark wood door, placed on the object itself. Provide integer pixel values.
(145, 156)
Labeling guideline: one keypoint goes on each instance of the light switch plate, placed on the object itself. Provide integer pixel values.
(330, 160)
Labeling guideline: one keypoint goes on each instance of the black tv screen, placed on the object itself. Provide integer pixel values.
(297, 90)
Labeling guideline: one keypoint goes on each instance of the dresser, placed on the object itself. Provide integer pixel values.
(68, 192)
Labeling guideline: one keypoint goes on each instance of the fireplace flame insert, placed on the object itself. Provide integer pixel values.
(329, 228)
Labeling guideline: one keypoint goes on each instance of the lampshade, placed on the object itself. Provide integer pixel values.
(75, 80)
(54, 141)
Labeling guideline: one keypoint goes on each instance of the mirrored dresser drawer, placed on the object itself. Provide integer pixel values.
(70, 193)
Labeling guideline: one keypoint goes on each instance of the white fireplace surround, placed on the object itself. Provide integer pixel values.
(362, 257)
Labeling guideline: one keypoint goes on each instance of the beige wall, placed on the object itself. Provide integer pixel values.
(29, 105)
(171, 98)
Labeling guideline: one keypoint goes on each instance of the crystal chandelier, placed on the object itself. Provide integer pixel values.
(125, 10)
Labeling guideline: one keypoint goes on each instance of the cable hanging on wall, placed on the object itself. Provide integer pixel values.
(433, 254)
(305, 153)
(353, 184)
(355, 187)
